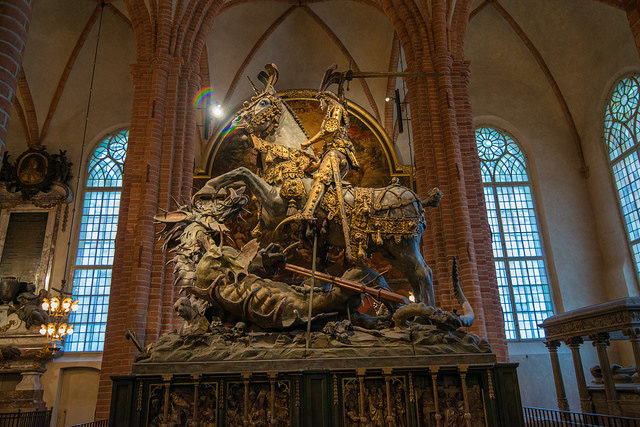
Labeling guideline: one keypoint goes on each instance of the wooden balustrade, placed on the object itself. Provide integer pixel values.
(601, 323)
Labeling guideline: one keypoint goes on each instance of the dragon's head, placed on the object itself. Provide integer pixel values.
(190, 227)
(201, 226)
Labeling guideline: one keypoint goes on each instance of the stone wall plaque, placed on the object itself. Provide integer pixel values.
(23, 245)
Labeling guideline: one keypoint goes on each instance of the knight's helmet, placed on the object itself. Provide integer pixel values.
(331, 77)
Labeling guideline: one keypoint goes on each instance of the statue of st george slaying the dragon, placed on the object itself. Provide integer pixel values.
(302, 195)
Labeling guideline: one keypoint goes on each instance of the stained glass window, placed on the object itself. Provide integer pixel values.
(96, 243)
(523, 282)
(621, 133)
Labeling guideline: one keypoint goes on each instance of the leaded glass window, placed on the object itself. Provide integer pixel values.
(96, 243)
(523, 282)
(621, 133)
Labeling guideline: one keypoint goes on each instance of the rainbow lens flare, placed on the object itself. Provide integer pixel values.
(202, 97)
(233, 124)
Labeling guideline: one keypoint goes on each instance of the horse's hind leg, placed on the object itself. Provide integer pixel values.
(407, 258)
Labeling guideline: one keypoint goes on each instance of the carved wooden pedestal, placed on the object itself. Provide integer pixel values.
(20, 373)
(461, 390)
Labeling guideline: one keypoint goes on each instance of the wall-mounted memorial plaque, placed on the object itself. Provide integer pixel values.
(23, 245)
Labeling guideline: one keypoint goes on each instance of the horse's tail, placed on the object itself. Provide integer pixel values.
(468, 316)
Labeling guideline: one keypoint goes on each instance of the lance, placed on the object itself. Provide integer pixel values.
(312, 274)
(348, 284)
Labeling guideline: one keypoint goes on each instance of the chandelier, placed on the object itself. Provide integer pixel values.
(58, 313)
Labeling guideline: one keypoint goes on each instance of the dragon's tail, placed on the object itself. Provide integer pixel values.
(468, 316)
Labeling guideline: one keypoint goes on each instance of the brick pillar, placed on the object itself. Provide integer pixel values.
(633, 15)
(480, 230)
(130, 285)
(14, 26)
(157, 171)
(446, 157)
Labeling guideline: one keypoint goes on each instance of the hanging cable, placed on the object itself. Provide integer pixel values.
(82, 148)
(407, 112)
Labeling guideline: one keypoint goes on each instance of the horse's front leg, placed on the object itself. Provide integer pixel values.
(239, 175)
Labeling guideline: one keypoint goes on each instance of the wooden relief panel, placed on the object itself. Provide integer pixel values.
(258, 410)
(450, 406)
(176, 405)
(207, 409)
(155, 406)
(282, 404)
(260, 403)
(374, 401)
(350, 402)
(234, 404)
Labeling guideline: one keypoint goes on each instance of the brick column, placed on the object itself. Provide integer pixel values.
(446, 157)
(158, 170)
(14, 26)
(633, 15)
(480, 230)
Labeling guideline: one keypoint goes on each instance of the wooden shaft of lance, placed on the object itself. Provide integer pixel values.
(348, 284)
(349, 75)
(313, 285)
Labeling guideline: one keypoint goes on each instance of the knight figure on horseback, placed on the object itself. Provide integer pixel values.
(362, 220)
(338, 156)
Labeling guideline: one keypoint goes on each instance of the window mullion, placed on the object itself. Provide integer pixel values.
(507, 268)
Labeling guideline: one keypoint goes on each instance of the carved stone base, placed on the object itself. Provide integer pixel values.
(23, 400)
(334, 341)
(22, 360)
(456, 390)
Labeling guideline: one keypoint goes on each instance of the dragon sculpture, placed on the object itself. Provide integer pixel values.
(226, 284)
(389, 220)
(233, 284)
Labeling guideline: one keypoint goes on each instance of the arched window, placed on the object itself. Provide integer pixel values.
(523, 282)
(621, 134)
(96, 243)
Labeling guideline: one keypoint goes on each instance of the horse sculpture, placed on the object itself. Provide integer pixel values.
(389, 220)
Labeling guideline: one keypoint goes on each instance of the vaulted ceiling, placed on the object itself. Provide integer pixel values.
(511, 44)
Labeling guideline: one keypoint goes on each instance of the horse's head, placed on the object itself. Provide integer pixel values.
(261, 115)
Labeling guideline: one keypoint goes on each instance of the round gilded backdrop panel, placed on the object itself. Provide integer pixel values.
(374, 150)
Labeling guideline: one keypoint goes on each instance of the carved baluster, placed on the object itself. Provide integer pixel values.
(465, 396)
(601, 342)
(272, 397)
(245, 407)
(585, 400)
(634, 338)
(563, 404)
(387, 385)
(434, 384)
(196, 396)
(360, 373)
(165, 411)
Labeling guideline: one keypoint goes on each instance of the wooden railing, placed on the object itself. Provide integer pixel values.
(25, 419)
(98, 423)
(536, 417)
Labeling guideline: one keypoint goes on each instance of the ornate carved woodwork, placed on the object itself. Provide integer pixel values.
(464, 396)
(600, 323)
